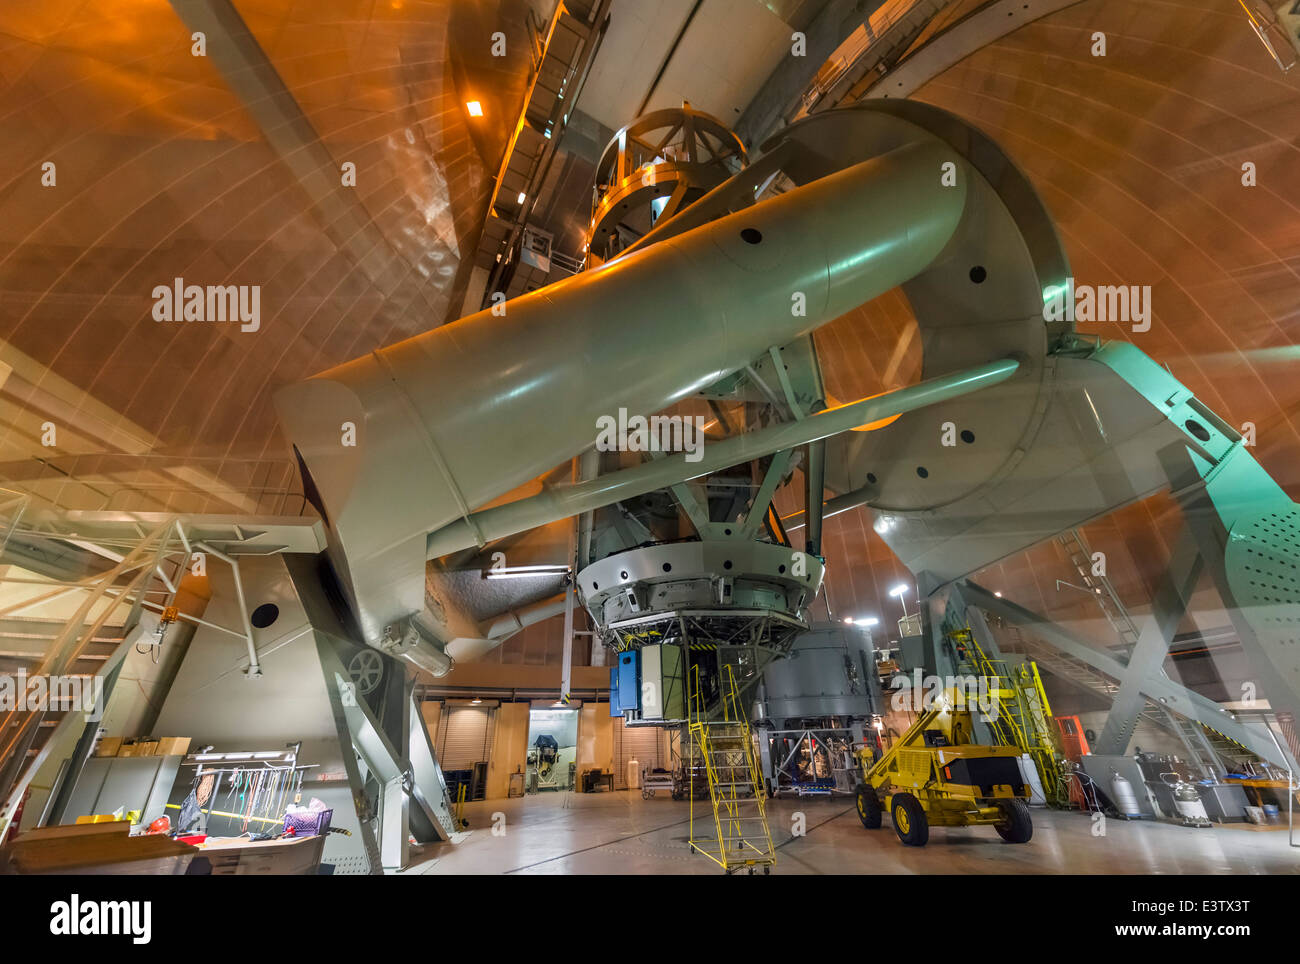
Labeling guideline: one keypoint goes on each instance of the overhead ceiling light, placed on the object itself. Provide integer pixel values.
(867, 621)
(998, 594)
(475, 108)
(522, 195)
(899, 590)
(520, 572)
(476, 701)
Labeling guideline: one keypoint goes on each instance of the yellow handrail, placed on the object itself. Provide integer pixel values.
(729, 821)
(1017, 723)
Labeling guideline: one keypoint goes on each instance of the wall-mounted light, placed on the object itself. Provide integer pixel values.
(475, 108)
(521, 197)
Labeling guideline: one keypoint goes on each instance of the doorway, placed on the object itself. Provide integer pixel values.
(552, 749)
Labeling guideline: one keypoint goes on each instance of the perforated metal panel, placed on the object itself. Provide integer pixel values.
(1263, 560)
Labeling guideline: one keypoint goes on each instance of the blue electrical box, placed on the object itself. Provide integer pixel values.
(625, 683)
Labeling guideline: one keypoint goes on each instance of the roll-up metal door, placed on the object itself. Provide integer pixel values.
(466, 735)
(640, 743)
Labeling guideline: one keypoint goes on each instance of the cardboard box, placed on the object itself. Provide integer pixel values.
(174, 746)
(147, 749)
(129, 750)
(109, 746)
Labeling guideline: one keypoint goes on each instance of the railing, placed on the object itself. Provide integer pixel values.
(152, 567)
(19, 726)
(1023, 713)
(1264, 22)
(166, 484)
(566, 263)
(858, 43)
(731, 824)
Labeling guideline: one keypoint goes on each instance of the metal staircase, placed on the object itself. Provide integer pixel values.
(1199, 750)
(24, 642)
(80, 653)
(1205, 746)
(870, 52)
(1080, 556)
(1024, 715)
(738, 837)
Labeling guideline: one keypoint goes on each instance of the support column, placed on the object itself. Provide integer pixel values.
(1148, 656)
(816, 493)
(1057, 650)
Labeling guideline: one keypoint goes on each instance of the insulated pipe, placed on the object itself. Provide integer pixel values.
(562, 501)
(401, 442)
(506, 625)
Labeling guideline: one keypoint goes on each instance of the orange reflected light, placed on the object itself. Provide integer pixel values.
(869, 426)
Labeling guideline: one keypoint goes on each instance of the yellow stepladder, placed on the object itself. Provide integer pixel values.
(740, 837)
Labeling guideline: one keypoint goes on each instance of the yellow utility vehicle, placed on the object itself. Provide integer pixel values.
(935, 776)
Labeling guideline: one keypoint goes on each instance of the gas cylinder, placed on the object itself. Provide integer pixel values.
(1126, 801)
(1187, 801)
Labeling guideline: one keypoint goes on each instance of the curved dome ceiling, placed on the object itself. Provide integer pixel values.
(1138, 155)
(166, 167)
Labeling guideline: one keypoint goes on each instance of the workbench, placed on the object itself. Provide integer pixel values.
(241, 856)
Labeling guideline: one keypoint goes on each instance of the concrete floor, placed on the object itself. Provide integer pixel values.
(619, 833)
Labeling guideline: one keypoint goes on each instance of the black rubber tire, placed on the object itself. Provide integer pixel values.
(869, 811)
(917, 831)
(1017, 826)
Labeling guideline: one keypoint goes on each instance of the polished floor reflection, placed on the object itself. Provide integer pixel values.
(619, 833)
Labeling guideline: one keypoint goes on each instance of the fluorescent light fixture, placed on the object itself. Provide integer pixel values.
(523, 572)
(475, 108)
(521, 197)
(899, 590)
(849, 620)
(476, 701)
(867, 621)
